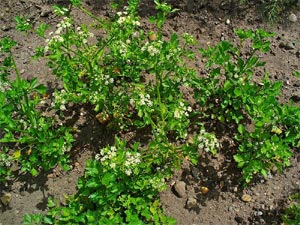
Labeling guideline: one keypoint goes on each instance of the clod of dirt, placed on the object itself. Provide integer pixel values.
(293, 18)
(191, 203)
(246, 198)
(287, 45)
(179, 189)
(5, 199)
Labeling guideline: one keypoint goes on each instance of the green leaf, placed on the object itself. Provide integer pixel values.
(41, 89)
(22, 24)
(108, 179)
(227, 85)
(241, 128)
(238, 92)
(296, 74)
(34, 172)
(42, 29)
(6, 45)
(92, 183)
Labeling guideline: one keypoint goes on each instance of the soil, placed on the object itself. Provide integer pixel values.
(212, 193)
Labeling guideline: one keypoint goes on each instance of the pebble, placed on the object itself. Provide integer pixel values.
(191, 203)
(259, 213)
(179, 188)
(5, 199)
(246, 198)
(5, 28)
(227, 22)
(292, 17)
(45, 11)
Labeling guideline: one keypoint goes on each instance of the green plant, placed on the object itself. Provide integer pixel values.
(119, 187)
(132, 77)
(29, 140)
(230, 95)
(291, 215)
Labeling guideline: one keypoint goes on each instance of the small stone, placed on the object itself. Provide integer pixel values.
(246, 198)
(45, 11)
(230, 209)
(238, 219)
(292, 17)
(5, 28)
(259, 213)
(6, 199)
(22, 71)
(51, 175)
(179, 188)
(191, 203)
(195, 172)
(287, 45)
(227, 22)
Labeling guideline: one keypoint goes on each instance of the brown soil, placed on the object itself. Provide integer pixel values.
(222, 204)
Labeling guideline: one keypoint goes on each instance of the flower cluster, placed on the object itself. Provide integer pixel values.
(4, 86)
(152, 48)
(145, 100)
(158, 183)
(56, 36)
(5, 160)
(110, 156)
(207, 141)
(182, 110)
(64, 26)
(107, 156)
(132, 160)
(83, 35)
(124, 17)
(59, 100)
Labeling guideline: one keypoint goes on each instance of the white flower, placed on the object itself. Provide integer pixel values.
(113, 165)
(152, 50)
(98, 157)
(128, 172)
(136, 23)
(132, 102)
(91, 35)
(177, 114)
(46, 49)
(62, 107)
(59, 30)
(121, 20)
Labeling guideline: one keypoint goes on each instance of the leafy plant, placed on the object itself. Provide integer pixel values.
(30, 140)
(119, 187)
(291, 215)
(230, 95)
